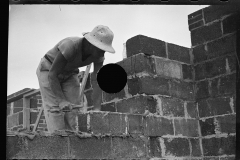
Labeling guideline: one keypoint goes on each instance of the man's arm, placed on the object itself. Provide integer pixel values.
(97, 92)
(57, 67)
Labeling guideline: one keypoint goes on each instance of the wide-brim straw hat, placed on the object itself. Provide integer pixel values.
(101, 37)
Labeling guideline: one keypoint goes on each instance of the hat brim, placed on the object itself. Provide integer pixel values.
(96, 43)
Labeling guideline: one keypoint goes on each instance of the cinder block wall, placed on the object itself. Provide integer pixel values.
(15, 113)
(213, 35)
(178, 103)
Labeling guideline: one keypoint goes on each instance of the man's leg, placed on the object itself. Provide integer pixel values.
(55, 121)
(71, 90)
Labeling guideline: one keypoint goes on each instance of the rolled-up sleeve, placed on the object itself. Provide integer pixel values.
(67, 49)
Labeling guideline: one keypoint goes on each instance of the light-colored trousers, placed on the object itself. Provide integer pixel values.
(71, 89)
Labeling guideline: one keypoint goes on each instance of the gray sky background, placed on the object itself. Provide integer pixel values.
(34, 29)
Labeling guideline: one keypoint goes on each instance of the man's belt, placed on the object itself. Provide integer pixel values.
(45, 56)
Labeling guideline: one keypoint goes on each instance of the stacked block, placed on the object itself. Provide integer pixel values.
(213, 35)
(178, 103)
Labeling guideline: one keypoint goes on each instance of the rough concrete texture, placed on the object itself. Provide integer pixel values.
(146, 45)
(168, 68)
(40, 148)
(178, 104)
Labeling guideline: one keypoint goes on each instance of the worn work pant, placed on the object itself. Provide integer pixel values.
(71, 90)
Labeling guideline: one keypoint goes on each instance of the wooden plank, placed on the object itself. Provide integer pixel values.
(26, 113)
(84, 81)
(15, 98)
(38, 118)
(33, 93)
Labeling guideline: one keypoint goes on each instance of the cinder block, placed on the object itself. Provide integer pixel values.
(210, 69)
(172, 107)
(90, 148)
(202, 90)
(99, 123)
(196, 148)
(214, 87)
(219, 146)
(178, 53)
(222, 46)
(187, 72)
(13, 120)
(117, 123)
(226, 124)
(33, 117)
(88, 95)
(108, 97)
(230, 24)
(135, 124)
(137, 105)
(182, 90)
(178, 147)
(168, 68)
(204, 108)
(18, 103)
(107, 123)
(220, 105)
(192, 111)
(216, 12)
(214, 106)
(158, 126)
(196, 25)
(186, 127)
(206, 33)
(215, 67)
(195, 19)
(128, 148)
(148, 85)
(195, 14)
(207, 126)
(110, 107)
(232, 62)
(15, 110)
(154, 147)
(227, 84)
(41, 147)
(33, 103)
(82, 122)
(200, 71)
(200, 53)
(137, 64)
(146, 45)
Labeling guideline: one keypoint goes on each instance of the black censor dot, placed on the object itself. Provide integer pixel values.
(112, 78)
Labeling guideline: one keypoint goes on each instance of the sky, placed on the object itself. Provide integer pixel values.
(35, 29)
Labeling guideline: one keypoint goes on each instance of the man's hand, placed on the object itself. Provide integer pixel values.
(65, 105)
